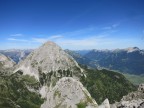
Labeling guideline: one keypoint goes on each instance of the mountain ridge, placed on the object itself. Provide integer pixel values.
(49, 57)
(52, 67)
(55, 78)
(129, 60)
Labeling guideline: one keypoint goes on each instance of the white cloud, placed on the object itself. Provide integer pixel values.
(37, 40)
(115, 25)
(89, 42)
(51, 38)
(80, 31)
(56, 37)
(95, 42)
(107, 28)
(20, 40)
(111, 27)
(40, 40)
(16, 35)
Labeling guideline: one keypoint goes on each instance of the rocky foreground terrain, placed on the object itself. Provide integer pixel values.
(132, 100)
(50, 78)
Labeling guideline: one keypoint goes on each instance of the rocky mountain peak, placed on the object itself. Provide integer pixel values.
(49, 58)
(58, 74)
(50, 43)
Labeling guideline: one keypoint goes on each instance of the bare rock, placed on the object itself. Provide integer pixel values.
(49, 58)
(69, 93)
(105, 104)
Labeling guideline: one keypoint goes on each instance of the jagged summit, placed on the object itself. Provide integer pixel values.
(49, 58)
(50, 43)
(49, 64)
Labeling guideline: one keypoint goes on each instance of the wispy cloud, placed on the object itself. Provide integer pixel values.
(83, 42)
(20, 40)
(16, 35)
(40, 40)
(142, 37)
(76, 40)
(95, 42)
(35, 39)
(56, 37)
(87, 37)
(80, 32)
(89, 42)
(113, 26)
(107, 28)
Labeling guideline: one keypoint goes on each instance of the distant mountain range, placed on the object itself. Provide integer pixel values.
(50, 78)
(16, 54)
(129, 60)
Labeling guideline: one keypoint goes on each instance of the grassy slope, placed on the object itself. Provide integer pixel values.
(104, 84)
(14, 93)
(135, 79)
(101, 84)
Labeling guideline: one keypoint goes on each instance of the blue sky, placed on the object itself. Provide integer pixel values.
(72, 24)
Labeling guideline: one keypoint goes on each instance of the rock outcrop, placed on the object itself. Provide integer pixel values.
(69, 93)
(133, 100)
(105, 104)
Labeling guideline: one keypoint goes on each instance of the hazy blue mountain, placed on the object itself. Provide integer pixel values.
(78, 56)
(129, 60)
(16, 54)
(83, 52)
